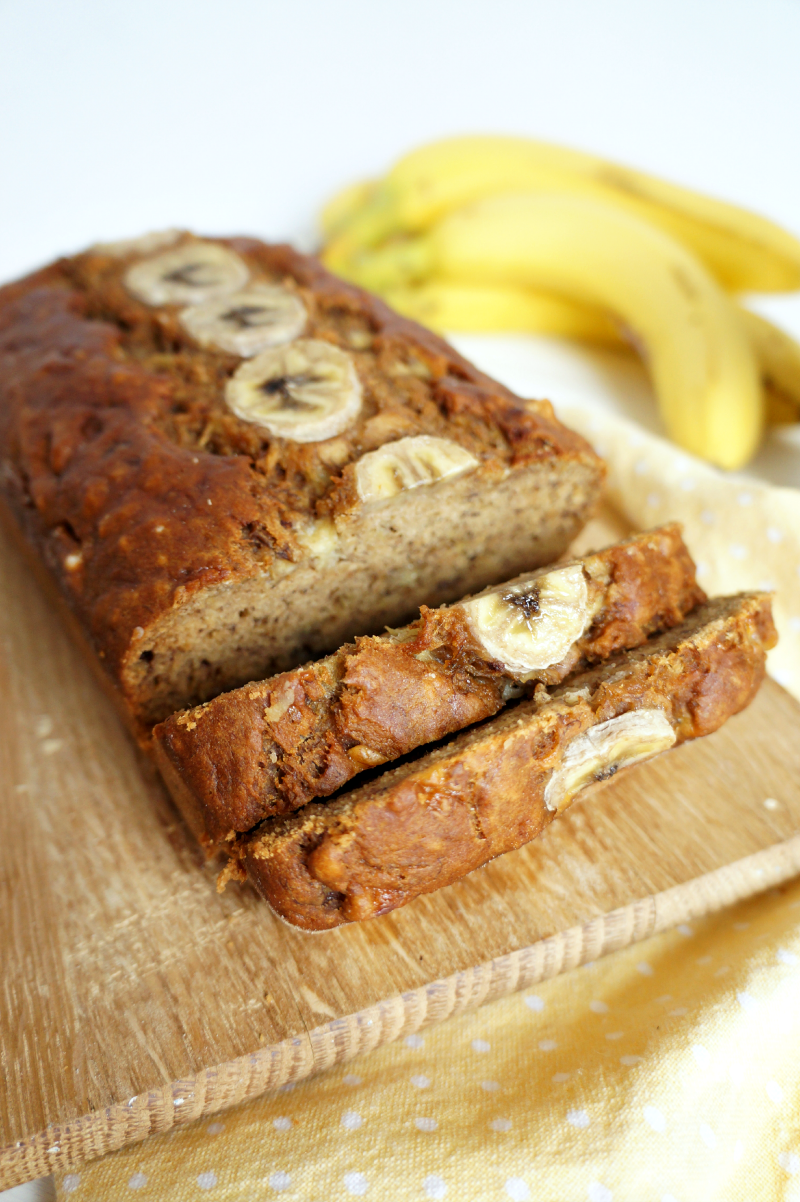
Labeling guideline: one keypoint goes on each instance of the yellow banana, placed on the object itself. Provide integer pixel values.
(703, 370)
(744, 251)
(778, 358)
(343, 207)
(452, 307)
(480, 308)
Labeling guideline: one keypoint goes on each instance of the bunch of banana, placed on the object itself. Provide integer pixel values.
(483, 233)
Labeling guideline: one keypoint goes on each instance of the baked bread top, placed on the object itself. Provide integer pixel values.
(140, 486)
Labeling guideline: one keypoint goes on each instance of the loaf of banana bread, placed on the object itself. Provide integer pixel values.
(427, 822)
(270, 747)
(230, 462)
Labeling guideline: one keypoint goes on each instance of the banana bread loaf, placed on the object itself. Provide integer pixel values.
(231, 461)
(427, 822)
(270, 747)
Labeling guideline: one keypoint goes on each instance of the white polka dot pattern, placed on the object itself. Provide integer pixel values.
(702, 1056)
(789, 1161)
(655, 1119)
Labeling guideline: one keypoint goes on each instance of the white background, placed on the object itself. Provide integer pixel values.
(243, 116)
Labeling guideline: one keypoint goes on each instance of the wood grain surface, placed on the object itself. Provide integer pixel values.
(135, 998)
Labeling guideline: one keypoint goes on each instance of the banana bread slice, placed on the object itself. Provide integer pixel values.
(231, 461)
(426, 823)
(270, 747)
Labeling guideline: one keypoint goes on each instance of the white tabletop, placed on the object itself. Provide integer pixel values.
(244, 116)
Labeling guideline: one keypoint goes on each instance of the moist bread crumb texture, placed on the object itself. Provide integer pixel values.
(197, 440)
(270, 747)
(429, 821)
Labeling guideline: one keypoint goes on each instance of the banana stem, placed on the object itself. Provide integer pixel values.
(344, 206)
(370, 223)
(395, 264)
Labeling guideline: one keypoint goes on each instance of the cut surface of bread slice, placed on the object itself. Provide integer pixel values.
(231, 462)
(270, 747)
(428, 822)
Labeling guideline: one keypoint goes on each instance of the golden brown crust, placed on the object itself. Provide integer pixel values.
(138, 487)
(425, 824)
(269, 748)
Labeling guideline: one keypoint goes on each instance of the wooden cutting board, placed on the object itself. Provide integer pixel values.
(135, 998)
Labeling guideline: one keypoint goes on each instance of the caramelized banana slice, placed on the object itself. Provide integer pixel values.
(247, 322)
(532, 624)
(602, 750)
(187, 275)
(408, 463)
(306, 391)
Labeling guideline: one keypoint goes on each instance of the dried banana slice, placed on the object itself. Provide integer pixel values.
(603, 749)
(408, 463)
(306, 391)
(247, 322)
(187, 275)
(532, 624)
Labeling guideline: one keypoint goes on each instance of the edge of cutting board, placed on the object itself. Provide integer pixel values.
(63, 1146)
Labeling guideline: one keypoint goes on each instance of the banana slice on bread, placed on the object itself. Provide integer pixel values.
(306, 391)
(531, 625)
(187, 275)
(247, 322)
(409, 463)
(602, 750)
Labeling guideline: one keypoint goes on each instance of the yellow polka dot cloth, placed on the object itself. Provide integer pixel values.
(743, 534)
(668, 1072)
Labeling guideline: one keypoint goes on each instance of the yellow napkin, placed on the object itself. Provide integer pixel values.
(743, 534)
(665, 1073)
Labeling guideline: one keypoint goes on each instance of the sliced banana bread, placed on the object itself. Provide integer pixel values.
(426, 823)
(231, 461)
(270, 747)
